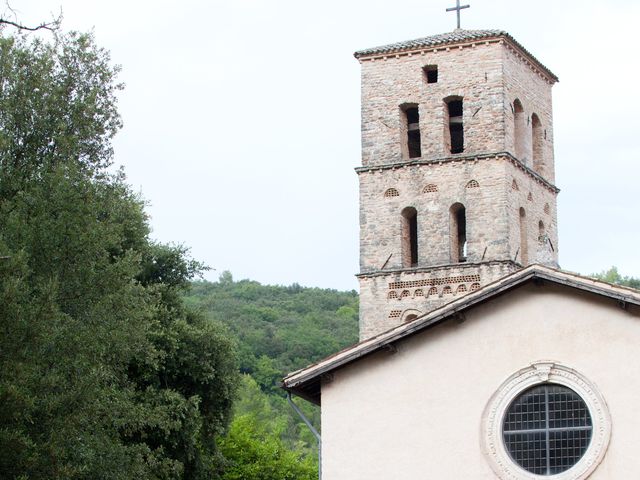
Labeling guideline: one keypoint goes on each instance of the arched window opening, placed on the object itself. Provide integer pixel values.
(391, 192)
(518, 129)
(433, 291)
(454, 134)
(410, 317)
(458, 233)
(537, 137)
(409, 237)
(524, 250)
(541, 231)
(411, 121)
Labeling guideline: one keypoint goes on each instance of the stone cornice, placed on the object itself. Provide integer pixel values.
(463, 158)
(421, 48)
(435, 268)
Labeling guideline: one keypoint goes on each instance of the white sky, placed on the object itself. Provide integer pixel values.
(241, 120)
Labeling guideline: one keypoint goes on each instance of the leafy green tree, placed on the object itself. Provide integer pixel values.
(279, 329)
(104, 373)
(613, 276)
(253, 453)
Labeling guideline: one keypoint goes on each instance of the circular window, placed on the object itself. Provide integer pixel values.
(546, 420)
(547, 429)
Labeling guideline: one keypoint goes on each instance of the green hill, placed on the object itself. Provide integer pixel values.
(277, 329)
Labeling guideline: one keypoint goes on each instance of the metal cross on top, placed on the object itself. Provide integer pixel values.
(457, 9)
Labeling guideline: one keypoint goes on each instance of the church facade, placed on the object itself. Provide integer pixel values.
(533, 376)
(478, 358)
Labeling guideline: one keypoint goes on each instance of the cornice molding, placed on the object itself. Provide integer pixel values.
(461, 158)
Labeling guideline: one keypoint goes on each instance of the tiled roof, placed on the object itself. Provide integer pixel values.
(457, 36)
(306, 382)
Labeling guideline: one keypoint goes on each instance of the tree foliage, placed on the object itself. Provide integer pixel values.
(279, 329)
(254, 449)
(255, 454)
(613, 276)
(104, 373)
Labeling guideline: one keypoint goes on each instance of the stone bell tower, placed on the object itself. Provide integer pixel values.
(457, 177)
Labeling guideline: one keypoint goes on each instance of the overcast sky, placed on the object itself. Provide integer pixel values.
(241, 121)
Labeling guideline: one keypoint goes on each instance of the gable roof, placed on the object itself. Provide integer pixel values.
(306, 382)
(458, 36)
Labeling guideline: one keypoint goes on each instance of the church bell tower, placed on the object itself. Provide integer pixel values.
(457, 177)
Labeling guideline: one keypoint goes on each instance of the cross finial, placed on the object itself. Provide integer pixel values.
(457, 9)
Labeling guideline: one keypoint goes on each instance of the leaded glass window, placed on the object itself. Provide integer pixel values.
(547, 429)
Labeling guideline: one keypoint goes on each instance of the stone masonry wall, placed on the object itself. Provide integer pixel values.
(432, 189)
(534, 92)
(474, 73)
(492, 190)
(540, 205)
(502, 194)
(389, 299)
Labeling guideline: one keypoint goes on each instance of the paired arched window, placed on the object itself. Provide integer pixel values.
(528, 146)
(409, 237)
(458, 233)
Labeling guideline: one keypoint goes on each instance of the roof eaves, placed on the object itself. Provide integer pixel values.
(374, 344)
(378, 342)
(434, 41)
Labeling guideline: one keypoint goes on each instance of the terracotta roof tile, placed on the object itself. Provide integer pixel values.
(457, 36)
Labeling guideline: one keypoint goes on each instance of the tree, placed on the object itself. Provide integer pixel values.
(9, 18)
(613, 276)
(104, 373)
(253, 453)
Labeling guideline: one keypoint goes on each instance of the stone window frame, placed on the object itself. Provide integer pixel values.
(537, 373)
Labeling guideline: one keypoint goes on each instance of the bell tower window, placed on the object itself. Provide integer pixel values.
(454, 126)
(458, 233)
(536, 142)
(409, 237)
(524, 245)
(411, 124)
(518, 129)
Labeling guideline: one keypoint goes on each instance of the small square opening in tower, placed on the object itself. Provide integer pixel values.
(431, 73)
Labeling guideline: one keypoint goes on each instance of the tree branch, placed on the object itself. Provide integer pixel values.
(5, 19)
(52, 26)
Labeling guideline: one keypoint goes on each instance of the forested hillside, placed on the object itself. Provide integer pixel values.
(278, 329)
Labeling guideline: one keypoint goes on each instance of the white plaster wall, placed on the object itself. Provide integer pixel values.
(417, 414)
